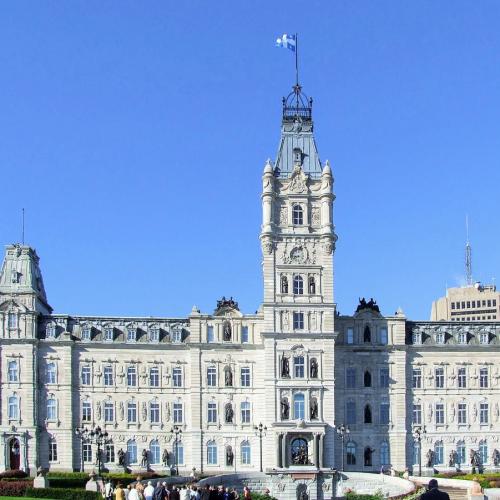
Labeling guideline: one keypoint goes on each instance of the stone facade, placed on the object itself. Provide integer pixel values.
(295, 366)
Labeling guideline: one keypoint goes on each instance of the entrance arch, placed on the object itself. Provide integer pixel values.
(14, 454)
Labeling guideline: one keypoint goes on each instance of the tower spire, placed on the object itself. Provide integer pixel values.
(468, 255)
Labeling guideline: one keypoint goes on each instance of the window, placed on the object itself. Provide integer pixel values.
(132, 412)
(211, 376)
(51, 409)
(384, 377)
(298, 321)
(462, 378)
(109, 453)
(298, 364)
(297, 215)
(483, 377)
(483, 452)
(108, 375)
(351, 453)
(417, 414)
(460, 452)
(13, 408)
(462, 337)
(109, 412)
(462, 413)
(245, 377)
(440, 337)
(350, 335)
(86, 411)
(109, 334)
(86, 333)
(87, 452)
(416, 452)
(453, 305)
(484, 337)
(177, 334)
(439, 413)
(483, 413)
(245, 412)
(350, 410)
(13, 372)
(131, 376)
(180, 453)
(50, 331)
(367, 379)
(383, 336)
(350, 378)
(211, 453)
(177, 377)
(417, 378)
(312, 285)
(50, 373)
(367, 335)
(210, 334)
(154, 334)
(384, 454)
(131, 334)
(154, 452)
(52, 450)
(438, 453)
(368, 456)
(439, 377)
(244, 334)
(85, 375)
(131, 452)
(246, 456)
(368, 414)
(178, 413)
(154, 376)
(212, 412)
(299, 406)
(12, 320)
(384, 413)
(154, 412)
(298, 285)
(416, 338)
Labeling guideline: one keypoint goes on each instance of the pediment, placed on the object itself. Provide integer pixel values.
(12, 305)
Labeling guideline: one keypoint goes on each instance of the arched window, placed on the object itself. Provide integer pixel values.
(367, 335)
(154, 376)
(211, 453)
(297, 215)
(154, 452)
(131, 376)
(13, 408)
(438, 453)
(368, 456)
(284, 284)
(51, 373)
(312, 285)
(483, 452)
(351, 453)
(384, 454)
(13, 371)
(51, 408)
(298, 285)
(246, 453)
(211, 376)
(177, 376)
(368, 414)
(299, 406)
(461, 452)
(131, 452)
(368, 379)
(298, 366)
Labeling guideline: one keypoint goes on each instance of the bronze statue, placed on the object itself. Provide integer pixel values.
(228, 375)
(314, 409)
(285, 367)
(229, 414)
(430, 458)
(496, 457)
(452, 458)
(285, 409)
(226, 329)
(229, 456)
(121, 458)
(314, 368)
(164, 457)
(284, 284)
(144, 461)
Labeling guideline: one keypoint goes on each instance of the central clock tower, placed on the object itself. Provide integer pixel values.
(298, 242)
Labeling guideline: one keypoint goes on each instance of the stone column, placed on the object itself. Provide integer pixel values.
(278, 450)
(315, 450)
(283, 450)
(321, 446)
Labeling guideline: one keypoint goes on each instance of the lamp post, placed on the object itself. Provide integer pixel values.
(418, 433)
(342, 431)
(177, 432)
(96, 436)
(260, 431)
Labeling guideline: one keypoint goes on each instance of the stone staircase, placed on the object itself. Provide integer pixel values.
(254, 481)
(455, 493)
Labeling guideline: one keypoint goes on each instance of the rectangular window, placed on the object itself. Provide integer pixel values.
(132, 412)
(439, 377)
(439, 413)
(483, 413)
(463, 304)
(494, 302)
(86, 411)
(298, 321)
(384, 377)
(298, 366)
(109, 412)
(350, 378)
(212, 412)
(131, 335)
(417, 378)
(384, 413)
(458, 305)
(108, 375)
(468, 304)
(86, 333)
(210, 334)
(489, 303)
(350, 335)
(85, 375)
(154, 376)
(244, 334)
(154, 412)
(417, 414)
(52, 451)
(13, 372)
(131, 376)
(87, 452)
(245, 412)
(245, 377)
(12, 320)
(462, 413)
(416, 338)
(108, 334)
(177, 377)
(177, 413)
(483, 378)
(109, 453)
(462, 378)
(383, 336)
(154, 334)
(453, 305)
(473, 303)
(350, 414)
(211, 376)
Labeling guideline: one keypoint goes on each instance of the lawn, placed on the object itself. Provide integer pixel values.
(24, 498)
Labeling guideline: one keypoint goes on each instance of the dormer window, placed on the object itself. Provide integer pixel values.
(50, 331)
(297, 215)
(154, 334)
(297, 156)
(462, 338)
(108, 334)
(439, 338)
(177, 334)
(416, 338)
(14, 276)
(86, 333)
(484, 338)
(131, 334)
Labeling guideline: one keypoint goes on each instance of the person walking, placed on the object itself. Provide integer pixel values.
(108, 490)
(133, 494)
(148, 491)
(184, 493)
(119, 492)
(433, 492)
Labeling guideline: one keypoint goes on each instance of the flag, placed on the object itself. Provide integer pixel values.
(287, 42)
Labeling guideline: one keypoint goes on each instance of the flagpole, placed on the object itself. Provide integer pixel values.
(297, 58)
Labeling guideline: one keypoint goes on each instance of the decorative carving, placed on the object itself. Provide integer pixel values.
(283, 215)
(122, 410)
(298, 182)
(298, 255)
(226, 331)
(267, 246)
(98, 410)
(429, 458)
(328, 247)
(167, 411)
(285, 408)
(314, 409)
(144, 411)
(314, 368)
(315, 216)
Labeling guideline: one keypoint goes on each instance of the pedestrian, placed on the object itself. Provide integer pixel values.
(205, 493)
(127, 491)
(433, 493)
(184, 493)
(246, 493)
(119, 492)
(148, 491)
(108, 490)
(134, 494)
(159, 492)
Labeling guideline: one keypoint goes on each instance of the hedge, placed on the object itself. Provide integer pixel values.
(13, 474)
(14, 488)
(62, 493)
(68, 482)
(491, 480)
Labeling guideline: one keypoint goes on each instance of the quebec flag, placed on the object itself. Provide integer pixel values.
(287, 42)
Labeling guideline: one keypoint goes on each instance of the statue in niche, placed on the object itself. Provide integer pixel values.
(229, 414)
(285, 367)
(285, 409)
(314, 409)
(452, 458)
(430, 458)
(122, 410)
(229, 456)
(495, 457)
(228, 376)
(98, 410)
(284, 284)
(314, 368)
(474, 458)
(144, 461)
(226, 329)
(312, 286)
(121, 457)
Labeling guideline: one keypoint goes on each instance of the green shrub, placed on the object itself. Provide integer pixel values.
(352, 495)
(68, 475)
(68, 482)
(62, 494)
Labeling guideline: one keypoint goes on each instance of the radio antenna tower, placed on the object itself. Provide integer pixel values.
(468, 255)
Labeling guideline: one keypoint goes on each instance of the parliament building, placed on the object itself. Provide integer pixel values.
(295, 385)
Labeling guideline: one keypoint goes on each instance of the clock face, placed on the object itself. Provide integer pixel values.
(297, 255)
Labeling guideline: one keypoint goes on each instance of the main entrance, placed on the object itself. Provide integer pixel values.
(14, 454)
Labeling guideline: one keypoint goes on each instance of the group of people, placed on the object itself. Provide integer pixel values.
(163, 491)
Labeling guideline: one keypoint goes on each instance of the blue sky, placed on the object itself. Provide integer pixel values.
(135, 133)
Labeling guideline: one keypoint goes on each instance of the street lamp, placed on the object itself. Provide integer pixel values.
(177, 432)
(418, 433)
(260, 431)
(96, 436)
(342, 431)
